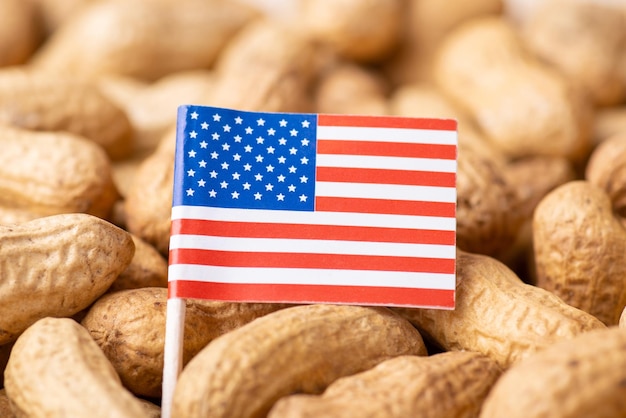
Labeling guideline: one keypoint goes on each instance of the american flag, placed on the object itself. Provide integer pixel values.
(307, 208)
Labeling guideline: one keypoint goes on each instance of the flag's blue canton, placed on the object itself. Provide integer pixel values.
(248, 160)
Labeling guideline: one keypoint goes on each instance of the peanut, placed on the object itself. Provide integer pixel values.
(20, 32)
(148, 268)
(606, 169)
(298, 349)
(129, 327)
(45, 173)
(56, 266)
(452, 384)
(499, 315)
(483, 66)
(581, 377)
(57, 370)
(44, 102)
(127, 38)
(585, 269)
(5, 405)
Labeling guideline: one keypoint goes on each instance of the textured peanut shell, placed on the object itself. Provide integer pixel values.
(585, 41)
(361, 31)
(129, 326)
(579, 378)
(20, 31)
(148, 268)
(49, 173)
(483, 66)
(46, 102)
(579, 248)
(57, 370)
(451, 385)
(606, 169)
(298, 349)
(499, 315)
(57, 266)
(128, 38)
(5, 405)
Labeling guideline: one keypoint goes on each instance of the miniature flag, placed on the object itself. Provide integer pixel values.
(307, 208)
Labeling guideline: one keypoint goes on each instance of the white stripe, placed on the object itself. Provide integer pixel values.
(390, 163)
(315, 218)
(413, 136)
(254, 275)
(389, 191)
(277, 245)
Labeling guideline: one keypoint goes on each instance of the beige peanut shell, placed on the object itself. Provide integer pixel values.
(579, 248)
(47, 173)
(5, 405)
(57, 266)
(606, 169)
(148, 268)
(578, 378)
(499, 315)
(20, 31)
(60, 103)
(57, 370)
(451, 385)
(298, 349)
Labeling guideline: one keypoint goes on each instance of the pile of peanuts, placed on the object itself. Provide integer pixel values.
(88, 97)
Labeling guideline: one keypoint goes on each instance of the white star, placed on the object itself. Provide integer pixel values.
(214, 155)
(257, 196)
(292, 169)
(304, 160)
(302, 198)
(216, 117)
(203, 144)
(212, 193)
(291, 188)
(282, 141)
(236, 157)
(259, 158)
(192, 154)
(271, 131)
(238, 120)
(304, 179)
(258, 177)
(235, 195)
(202, 164)
(190, 173)
(194, 115)
(260, 140)
(213, 174)
(204, 125)
(247, 148)
(281, 159)
(215, 136)
(226, 128)
(237, 138)
(293, 132)
(282, 123)
(305, 124)
(304, 142)
(270, 150)
(280, 197)
(224, 184)
(249, 130)
(236, 176)
(246, 186)
(201, 183)
(269, 168)
(190, 192)
(269, 187)
(193, 134)
(292, 151)
(247, 167)
(225, 165)
(260, 122)
(281, 179)
(225, 147)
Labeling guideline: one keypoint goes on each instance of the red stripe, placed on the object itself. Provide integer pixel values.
(387, 122)
(386, 149)
(298, 231)
(279, 293)
(307, 260)
(391, 207)
(382, 176)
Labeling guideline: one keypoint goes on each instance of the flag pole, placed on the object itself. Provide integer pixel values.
(173, 352)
